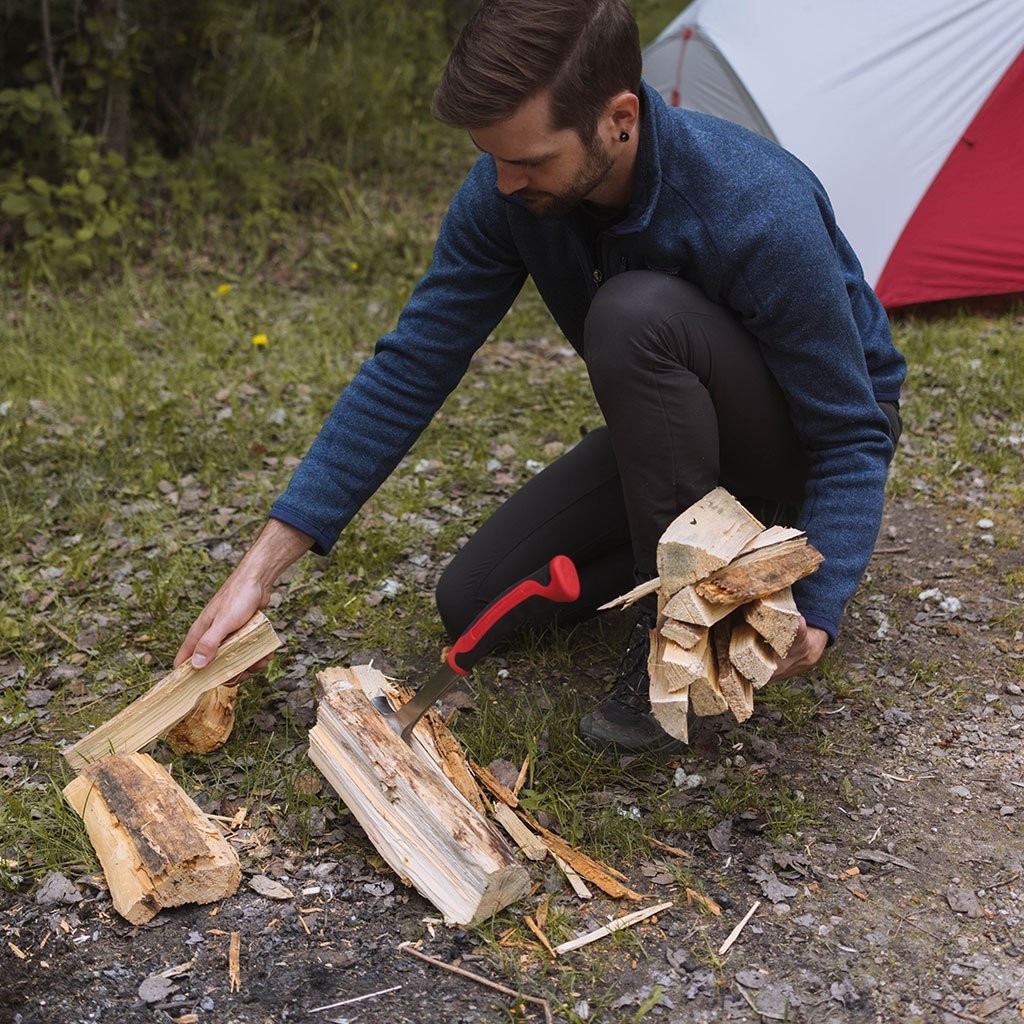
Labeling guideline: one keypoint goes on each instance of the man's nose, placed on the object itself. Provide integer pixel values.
(510, 179)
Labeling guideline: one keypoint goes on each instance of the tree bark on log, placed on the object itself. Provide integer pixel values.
(155, 845)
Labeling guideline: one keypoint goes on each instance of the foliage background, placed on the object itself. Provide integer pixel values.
(134, 129)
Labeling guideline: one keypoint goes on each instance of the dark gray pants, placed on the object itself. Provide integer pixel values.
(688, 404)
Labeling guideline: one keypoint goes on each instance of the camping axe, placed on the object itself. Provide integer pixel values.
(555, 582)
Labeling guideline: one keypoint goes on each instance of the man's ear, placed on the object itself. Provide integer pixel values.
(621, 114)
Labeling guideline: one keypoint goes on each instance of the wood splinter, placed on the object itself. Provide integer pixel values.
(235, 962)
(618, 924)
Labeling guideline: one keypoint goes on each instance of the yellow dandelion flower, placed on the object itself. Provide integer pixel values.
(223, 289)
(259, 339)
(353, 265)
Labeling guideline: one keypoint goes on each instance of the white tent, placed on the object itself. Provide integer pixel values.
(910, 113)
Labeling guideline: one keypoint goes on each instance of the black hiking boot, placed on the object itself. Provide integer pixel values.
(624, 723)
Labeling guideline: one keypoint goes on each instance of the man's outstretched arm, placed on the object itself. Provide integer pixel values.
(244, 592)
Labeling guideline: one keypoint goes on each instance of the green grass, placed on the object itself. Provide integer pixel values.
(140, 426)
(964, 411)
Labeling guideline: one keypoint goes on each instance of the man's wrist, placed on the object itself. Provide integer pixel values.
(276, 548)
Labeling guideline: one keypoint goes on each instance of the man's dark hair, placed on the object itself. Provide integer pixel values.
(584, 51)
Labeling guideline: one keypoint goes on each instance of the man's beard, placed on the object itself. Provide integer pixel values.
(596, 167)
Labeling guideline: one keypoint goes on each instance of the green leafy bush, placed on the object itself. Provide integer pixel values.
(67, 203)
(128, 131)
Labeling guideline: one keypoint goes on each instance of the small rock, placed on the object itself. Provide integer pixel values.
(963, 901)
(844, 992)
(896, 717)
(720, 836)
(57, 888)
(776, 1002)
(750, 979)
(680, 960)
(269, 888)
(961, 791)
(156, 988)
(684, 780)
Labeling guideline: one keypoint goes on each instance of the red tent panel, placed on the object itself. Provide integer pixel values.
(964, 238)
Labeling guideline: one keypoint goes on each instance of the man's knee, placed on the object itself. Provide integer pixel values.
(454, 598)
(628, 316)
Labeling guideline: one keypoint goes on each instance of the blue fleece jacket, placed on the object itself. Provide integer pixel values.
(714, 203)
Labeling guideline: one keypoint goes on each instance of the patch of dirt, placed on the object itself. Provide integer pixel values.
(904, 903)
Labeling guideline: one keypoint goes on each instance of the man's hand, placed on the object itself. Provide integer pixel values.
(244, 592)
(807, 649)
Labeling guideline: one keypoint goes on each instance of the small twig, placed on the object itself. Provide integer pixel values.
(616, 925)
(692, 896)
(1006, 881)
(407, 947)
(522, 775)
(735, 933)
(212, 542)
(674, 850)
(88, 704)
(761, 1013)
(77, 646)
(750, 1002)
(892, 551)
(572, 877)
(955, 1013)
(44, 14)
(625, 600)
(542, 938)
(356, 999)
(914, 924)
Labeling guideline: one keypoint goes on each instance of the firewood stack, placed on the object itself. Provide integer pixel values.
(725, 609)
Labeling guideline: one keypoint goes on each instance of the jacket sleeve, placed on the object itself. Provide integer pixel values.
(795, 280)
(474, 275)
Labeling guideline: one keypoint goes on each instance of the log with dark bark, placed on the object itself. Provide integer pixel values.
(155, 845)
